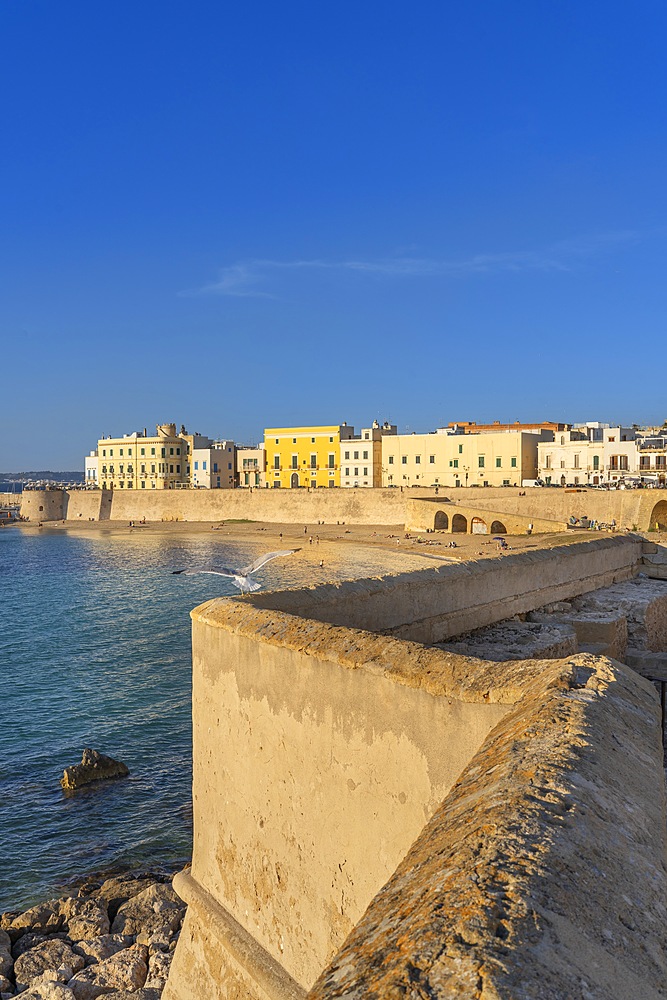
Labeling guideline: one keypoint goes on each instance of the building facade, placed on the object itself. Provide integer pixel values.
(590, 454)
(304, 456)
(361, 457)
(443, 458)
(137, 461)
(250, 467)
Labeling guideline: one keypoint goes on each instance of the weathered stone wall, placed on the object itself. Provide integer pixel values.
(278, 506)
(310, 743)
(432, 605)
(543, 874)
(321, 750)
(43, 505)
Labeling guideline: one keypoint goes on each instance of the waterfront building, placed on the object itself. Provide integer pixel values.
(361, 457)
(250, 466)
(90, 472)
(448, 458)
(137, 461)
(470, 427)
(590, 454)
(652, 453)
(304, 456)
(213, 467)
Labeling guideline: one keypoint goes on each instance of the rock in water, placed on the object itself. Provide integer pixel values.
(94, 766)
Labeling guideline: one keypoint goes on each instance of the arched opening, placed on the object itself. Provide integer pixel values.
(459, 523)
(441, 522)
(562, 480)
(478, 526)
(498, 528)
(41, 506)
(596, 480)
(659, 516)
(294, 480)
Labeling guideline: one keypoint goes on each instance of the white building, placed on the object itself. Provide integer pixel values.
(361, 457)
(590, 454)
(213, 464)
(91, 467)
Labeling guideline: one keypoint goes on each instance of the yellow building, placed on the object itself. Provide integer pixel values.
(139, 462)
(446, 459)
(304, 456)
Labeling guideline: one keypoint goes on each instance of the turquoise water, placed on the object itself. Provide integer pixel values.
(95, 652)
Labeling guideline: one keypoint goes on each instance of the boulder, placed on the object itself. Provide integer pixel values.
(159, 964)
(118, 889)
(94, 766)
(155, 910)
(48, 987)
(48, 956)
(85, 918)
(100, 948)
(143, 994)
(45, 918)
(125, 971)
(6, 959)
(29, 940)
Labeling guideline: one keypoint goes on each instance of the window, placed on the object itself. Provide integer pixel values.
(229, 465)
(499, 463)
(276, 461)
(391, 459)
(295, 461)
(143, 484)
(130, 468)
(460, 449)
(418, 459)
(171, 468)
(152, 470)
(312, 440)
(330, 440)
(356, 456)
(143, 469)
(171, 451)
(152, 451)
(480, 461)
(347, 456)
(178, 469)
(365, 456)
(178, 451)
(332, 459)
(596, 462)
(293, 440)
(366, 435)
(623, 462)
(203, 465)
(562, 464)
(513, 461)
(347, 472)
(313, 461)
(163, 452)
(404, 459)
(576, 461)
(612, 437)
(277, 441)
(104, 453)
(121, 469)
(431, 459)
(456, 463)
(547, 463)
(356, 472)
(506, 482)
(143, 451)
(110, 452)
(215, 466)
(197, 466)
(121, 451)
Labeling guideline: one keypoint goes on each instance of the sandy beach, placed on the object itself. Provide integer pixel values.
(334, 538)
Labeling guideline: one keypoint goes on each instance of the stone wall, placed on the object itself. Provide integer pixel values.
(498, 804)
(277, 506)
(432, 605)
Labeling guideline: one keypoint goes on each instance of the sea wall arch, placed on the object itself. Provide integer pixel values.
(659, 516)
(441, 521)
(459, 523)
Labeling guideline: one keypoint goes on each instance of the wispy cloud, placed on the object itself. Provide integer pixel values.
(245, 278)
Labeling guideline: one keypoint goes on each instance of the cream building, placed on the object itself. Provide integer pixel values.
(137, 461)
(443, 458)
(250, 467)
(361, 457)
(213, 465)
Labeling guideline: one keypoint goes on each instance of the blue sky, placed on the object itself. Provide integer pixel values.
(242, 215)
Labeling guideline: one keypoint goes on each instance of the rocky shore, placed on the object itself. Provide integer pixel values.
(113, 938)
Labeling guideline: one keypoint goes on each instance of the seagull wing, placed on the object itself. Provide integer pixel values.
(258, 563)
(223, 571)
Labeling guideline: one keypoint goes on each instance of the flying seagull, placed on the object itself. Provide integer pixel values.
(241, 577)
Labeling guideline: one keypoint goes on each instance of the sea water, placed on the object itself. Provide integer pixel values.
(95, 652)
